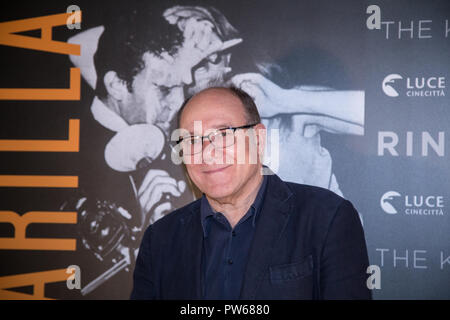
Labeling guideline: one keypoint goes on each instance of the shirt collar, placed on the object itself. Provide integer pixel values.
(106, 117)
(206, 210)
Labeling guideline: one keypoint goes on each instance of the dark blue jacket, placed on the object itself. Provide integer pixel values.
(308, 244)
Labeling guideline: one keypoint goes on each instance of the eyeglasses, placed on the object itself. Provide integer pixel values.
(220, 138)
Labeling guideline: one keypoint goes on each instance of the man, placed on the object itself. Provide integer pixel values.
(148, 88)
(250, 236)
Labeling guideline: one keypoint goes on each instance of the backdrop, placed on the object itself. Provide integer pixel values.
(355, 93)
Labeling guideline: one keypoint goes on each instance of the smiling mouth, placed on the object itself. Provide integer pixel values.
(216, 170)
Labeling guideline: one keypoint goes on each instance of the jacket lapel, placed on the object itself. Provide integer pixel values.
(272, 221)
(192, 254)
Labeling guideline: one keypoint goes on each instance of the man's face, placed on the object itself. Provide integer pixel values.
(158, 88)
(216, 177)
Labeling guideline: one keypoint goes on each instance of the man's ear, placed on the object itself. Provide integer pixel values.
(116, 87)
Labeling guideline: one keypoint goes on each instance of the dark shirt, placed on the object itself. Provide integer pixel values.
(225, 250)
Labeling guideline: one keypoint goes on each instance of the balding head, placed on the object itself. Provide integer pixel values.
(249, 108)
(222, 142)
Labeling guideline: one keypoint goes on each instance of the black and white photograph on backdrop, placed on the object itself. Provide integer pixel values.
(353, 98)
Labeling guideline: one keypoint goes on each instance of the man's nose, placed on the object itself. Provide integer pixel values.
(208, 152)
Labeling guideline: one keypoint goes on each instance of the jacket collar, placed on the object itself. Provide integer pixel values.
(206, 210)
(272, 222)
(191, 256)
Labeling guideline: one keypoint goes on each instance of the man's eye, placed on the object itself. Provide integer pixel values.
(164, 90)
